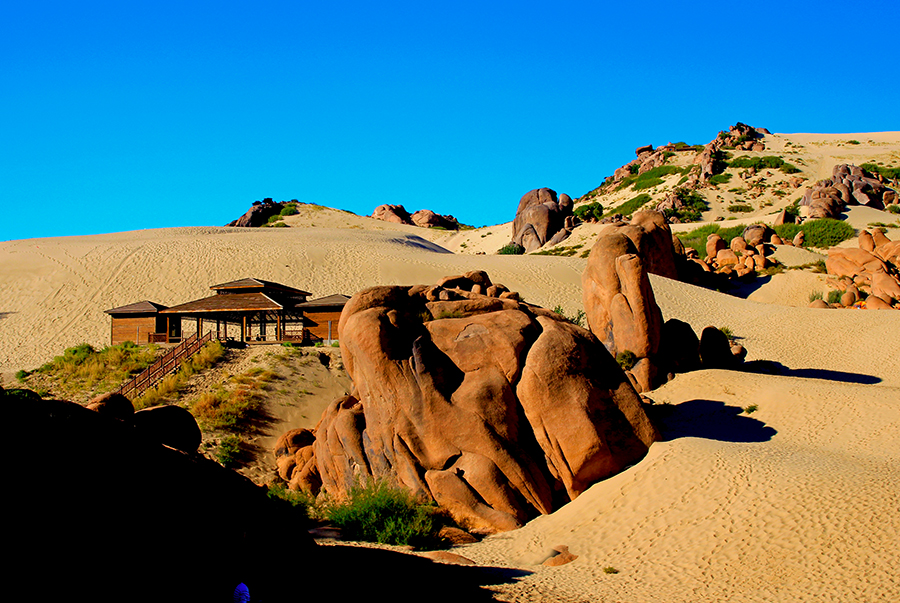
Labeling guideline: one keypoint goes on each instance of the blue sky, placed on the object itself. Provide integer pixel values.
(129, 115)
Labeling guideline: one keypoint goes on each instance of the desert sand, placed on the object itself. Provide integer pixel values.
(796, 501)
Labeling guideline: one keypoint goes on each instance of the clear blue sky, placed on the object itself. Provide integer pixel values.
(129, 115)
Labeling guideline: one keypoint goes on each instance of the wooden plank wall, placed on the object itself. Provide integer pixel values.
(133, 329)
(316, 324)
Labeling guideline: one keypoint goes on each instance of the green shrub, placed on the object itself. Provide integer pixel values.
(229, 450)
(694, 206)
(751, 409)
(589, 212)
(300, 501)
(740, 208)
(576, 319)
(85, 369)
(289, 210)
(511, 249)
(823, 233)
(894, 209)
(610, 570)
(626, 359)
(648, 179)
(22, 375)
(378, 512)
(814, 295)
(560, 251)
(890, 173)
(719, 179)
(834, 296)
(630, 206)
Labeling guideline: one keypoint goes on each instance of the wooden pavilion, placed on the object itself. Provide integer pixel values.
(259, 310)
(248, 310)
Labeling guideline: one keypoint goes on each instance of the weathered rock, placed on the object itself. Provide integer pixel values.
(170, 425)
(540, 216)
(498, 414)
(426, 218)
(652, 239)
(679, 347)
(873, 302)
(715, 350)
(819, 303)
(756, 234)
(619, 303)
(114, 405)
(395, 214)
(714, 244)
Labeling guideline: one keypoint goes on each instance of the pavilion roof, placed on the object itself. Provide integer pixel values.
(337, 300)
(142, 307)
(255, 283)
(235, 302)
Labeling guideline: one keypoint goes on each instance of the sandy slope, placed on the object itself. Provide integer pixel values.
(796, 502)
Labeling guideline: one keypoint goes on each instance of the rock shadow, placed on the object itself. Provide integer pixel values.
(5, 314)
(745, 288)
(770, 367)
(708, 419)
(421, 578)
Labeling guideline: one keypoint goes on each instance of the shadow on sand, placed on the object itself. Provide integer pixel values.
(708, 419)
(769, 367)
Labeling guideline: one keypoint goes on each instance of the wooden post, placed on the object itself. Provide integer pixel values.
(278, 333)
(168, 328)
(244, 328)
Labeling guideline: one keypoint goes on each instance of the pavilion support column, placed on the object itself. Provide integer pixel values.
(243, 328)
(168, 329)
(278, 334)
(199, 326)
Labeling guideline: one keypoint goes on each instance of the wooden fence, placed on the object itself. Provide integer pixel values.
(168, 363)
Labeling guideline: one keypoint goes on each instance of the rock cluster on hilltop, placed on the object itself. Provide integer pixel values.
(259, 213)
(424, 218)
(848, 185)
(870, 272)
(496, 409)
(542, 218)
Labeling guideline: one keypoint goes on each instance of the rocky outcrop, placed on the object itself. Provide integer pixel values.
(395, 214)
(495, 409)
(848, 185)
(540, 217)
(424, 218)
(259, 213)
(870, 272)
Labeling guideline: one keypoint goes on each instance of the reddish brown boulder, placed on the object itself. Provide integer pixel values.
(113, 404)
(652, 239)
(540, 216)
(171, 425)
(396, 214)
(619, 304)
(498, 413)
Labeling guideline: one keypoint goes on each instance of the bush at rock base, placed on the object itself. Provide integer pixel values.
(376, 512)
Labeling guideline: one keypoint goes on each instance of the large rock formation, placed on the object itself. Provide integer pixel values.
(540, 217)
(620, 307)
(496, 409)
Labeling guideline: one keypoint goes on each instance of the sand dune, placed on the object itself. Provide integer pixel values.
(796, 502)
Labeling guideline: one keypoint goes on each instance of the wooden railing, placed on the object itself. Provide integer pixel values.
(168, 363)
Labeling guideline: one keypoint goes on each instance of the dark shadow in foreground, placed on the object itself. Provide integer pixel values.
(770, 367)
(708, 419)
